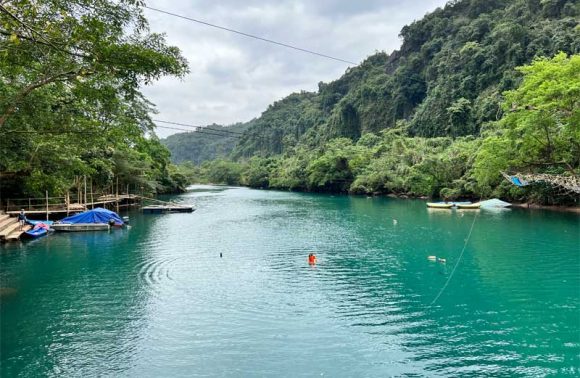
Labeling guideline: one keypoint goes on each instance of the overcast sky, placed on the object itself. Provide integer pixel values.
(234, 78)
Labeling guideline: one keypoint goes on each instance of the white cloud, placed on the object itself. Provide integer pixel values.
(234, 78)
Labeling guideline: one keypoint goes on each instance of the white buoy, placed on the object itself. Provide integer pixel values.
(395, 222)
(432, 258)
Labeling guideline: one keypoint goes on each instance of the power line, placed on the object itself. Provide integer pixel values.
(198, 131)
(249, 35)
(197, 127)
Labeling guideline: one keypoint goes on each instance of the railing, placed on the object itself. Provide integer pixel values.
(48, 204)
(35, 204)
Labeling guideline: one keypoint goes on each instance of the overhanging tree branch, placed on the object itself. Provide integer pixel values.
(11, 108)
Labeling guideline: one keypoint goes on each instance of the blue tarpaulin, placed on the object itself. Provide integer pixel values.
(96, 215)
(517, 181)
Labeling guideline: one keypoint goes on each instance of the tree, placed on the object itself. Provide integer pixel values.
(70, 73)
(540, 130)
(58, 41)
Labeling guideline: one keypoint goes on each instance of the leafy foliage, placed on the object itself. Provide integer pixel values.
(70, 103)
(540, 131)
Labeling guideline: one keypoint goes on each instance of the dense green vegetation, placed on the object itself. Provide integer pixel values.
(442, 116)
(70, 105)
(540, 131)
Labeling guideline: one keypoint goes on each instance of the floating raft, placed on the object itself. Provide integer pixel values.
(76, 227)
(160, 209)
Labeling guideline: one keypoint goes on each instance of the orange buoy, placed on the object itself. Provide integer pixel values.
(311, 259)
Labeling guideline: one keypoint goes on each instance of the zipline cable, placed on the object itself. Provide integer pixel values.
(197, 127)
(199, 131)
(249, 35)
(456, 264)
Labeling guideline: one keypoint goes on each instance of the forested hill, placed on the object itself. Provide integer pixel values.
(213, 142)
(445, 80)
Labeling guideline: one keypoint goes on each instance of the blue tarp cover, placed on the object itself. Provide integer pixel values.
(516, 181)
(96, 215)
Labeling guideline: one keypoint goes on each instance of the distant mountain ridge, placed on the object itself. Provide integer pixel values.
(214, 142)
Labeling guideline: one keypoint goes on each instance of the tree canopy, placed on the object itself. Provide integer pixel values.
(71, 105)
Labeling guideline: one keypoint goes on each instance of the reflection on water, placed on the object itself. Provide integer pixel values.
(158, 300)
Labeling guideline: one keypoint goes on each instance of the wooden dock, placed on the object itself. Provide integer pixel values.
(160, 209)
(61, 206)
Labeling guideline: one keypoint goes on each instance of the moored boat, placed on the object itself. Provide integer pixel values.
(97, 219)
(439, 205)
(469, 206)
(40, 229)
(34, 233)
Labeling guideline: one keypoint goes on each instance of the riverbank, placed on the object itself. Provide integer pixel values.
(533, 206)
(524, 205)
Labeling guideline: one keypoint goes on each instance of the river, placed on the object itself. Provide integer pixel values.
(157, 299)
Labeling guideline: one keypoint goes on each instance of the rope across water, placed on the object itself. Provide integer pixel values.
(456, 264)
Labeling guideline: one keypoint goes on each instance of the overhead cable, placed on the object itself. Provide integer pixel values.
(199, 131)
(249, 35)
(197, 127)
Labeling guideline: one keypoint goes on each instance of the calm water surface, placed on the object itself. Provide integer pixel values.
(157, 300)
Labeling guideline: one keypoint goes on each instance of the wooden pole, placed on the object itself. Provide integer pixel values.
(92, 200)
(47, 205)
(85, 180)
(117, 194)
(67, 200)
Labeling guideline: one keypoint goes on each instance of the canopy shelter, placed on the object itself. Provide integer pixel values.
(96, 215)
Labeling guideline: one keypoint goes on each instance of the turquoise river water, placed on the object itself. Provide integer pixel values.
(156, 300)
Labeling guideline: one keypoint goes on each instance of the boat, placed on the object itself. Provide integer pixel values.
(40, 229)
(34, 233)
(440, 205)
(469, 206)
(97, 219)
